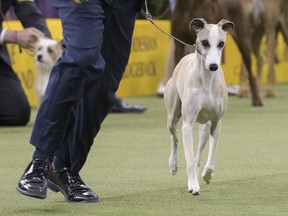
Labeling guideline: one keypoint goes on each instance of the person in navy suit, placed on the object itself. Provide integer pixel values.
(80, 94)
(120, 105)
(14, 106)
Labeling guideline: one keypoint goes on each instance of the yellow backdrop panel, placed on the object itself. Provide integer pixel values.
(147, 60)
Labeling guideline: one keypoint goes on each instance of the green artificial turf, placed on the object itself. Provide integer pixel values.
(128, 166)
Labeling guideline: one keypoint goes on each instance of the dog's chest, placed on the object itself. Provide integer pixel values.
(209, 104)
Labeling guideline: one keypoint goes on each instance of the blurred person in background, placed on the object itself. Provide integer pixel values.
(14, 105)
(170, 63)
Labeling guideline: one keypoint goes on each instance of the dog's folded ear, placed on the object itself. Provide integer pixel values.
(226, 25)
(61, 44)
(197, 24)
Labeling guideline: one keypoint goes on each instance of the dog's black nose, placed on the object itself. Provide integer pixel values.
(213, 67)
(39, 58)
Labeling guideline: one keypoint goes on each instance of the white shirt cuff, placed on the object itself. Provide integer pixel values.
(2, 36)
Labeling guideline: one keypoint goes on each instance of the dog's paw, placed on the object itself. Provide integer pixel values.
(173, 165)
(173, 168)
(207, 174)
(194, 193)
(194, 189)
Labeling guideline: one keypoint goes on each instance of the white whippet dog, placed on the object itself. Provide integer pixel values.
(197, 91)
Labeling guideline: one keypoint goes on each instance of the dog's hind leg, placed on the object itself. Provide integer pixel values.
(173, 159)
(204, 131)
(173, 107)
(207, 173)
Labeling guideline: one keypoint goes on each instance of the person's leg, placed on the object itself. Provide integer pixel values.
(14, 106)
(170, 65)
(98, 101)
(81, 63)
(83, 126)
(94, 106)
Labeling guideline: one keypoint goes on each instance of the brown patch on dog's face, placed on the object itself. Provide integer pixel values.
(46, 53)
(53, 52)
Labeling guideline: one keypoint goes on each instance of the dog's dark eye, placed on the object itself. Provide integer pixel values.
(50, 50)
(205, 44)
(221, 44)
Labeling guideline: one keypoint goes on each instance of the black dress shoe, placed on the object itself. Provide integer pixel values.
(71, 186)
(33, 182)
(123, 107)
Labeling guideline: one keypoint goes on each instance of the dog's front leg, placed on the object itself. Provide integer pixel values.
(214, 139)
(193, 184)
(204, 131)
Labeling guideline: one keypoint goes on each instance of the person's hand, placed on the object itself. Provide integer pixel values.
(27, 37)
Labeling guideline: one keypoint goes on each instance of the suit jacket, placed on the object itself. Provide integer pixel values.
(30, 16)
(118, 3)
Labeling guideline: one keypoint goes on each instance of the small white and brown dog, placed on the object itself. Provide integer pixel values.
(198, 92)
(46, 53)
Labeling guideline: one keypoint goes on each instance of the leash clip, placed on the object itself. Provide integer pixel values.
(149, 16)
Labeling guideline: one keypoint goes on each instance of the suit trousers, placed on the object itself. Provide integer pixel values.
(81, 89)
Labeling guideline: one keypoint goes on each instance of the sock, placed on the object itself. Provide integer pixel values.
(43, 155)
(58, 164)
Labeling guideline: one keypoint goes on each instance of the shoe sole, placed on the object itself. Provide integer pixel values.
(53, 187)
(56, 188)
(31, 194)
